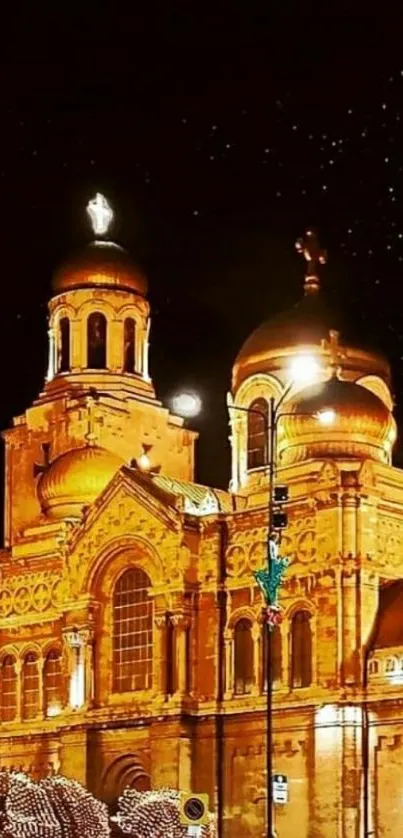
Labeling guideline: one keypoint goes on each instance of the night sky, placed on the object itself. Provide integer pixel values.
(218, 138)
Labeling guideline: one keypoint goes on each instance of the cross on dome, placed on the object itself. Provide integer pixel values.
(100, 213)
(310, 248)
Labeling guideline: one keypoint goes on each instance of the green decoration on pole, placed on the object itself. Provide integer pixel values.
(270, 580)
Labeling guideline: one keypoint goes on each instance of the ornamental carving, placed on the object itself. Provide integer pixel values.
(306, 540)
(33, 592)
(390, 542)
(121, 520)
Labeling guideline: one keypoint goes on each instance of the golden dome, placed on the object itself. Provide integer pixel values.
(363, 426)
(308, 324)
(75, 479)
(102, 264)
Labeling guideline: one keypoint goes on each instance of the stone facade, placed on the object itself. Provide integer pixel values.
(199, 720)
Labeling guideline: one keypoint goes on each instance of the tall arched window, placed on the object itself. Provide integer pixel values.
(8, 689)
(30, 686)
(129, 340)
(52, 683)
(170, 658)
(258, 433)
(301, 650)
(96, 341)
(64, 345)
(276, 657)
(243, 657)
(132, 632)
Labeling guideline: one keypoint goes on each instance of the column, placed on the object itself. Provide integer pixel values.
(144, 365)
(159, 654)
(349, 524)
(80, 667)
(181, 624)
(18, 672)
(52, 361)
(285, 653)
(78, 344)
(115, 345)
(41, 665)
(229, 656)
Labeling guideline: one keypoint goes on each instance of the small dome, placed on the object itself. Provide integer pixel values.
(362, 426)
(75, 479)
(307, 324)
(101, 264)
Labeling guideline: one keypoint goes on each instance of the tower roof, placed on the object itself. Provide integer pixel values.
(101, 264)
(308, 325)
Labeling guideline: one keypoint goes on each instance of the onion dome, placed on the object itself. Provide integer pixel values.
(309, 325)
(362, 425)
(75, 479)
(101, 264)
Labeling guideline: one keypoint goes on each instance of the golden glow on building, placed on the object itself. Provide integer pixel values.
(132, 648)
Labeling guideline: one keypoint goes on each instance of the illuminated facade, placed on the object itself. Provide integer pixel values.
(132, 645)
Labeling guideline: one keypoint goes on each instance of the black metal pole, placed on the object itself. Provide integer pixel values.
(269, 736)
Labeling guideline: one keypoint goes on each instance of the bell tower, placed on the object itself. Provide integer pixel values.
(99, 327)
(99, 318)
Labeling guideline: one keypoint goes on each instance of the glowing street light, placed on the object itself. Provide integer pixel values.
(304, 369)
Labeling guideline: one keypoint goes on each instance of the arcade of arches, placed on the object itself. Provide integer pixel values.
(132, 641)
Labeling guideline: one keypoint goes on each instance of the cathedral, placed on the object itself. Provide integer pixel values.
(132, 641)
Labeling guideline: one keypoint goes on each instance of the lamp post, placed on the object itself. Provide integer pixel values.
(304, 370)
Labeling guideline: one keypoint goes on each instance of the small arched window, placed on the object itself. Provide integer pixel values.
(96, 341)
(243, 657)
(64, 345)
(129, 339)
(30, 686)
(52, 683)
(276, 657)
(390, 665)
(8, 689)
(132, 632)
(258, 417)
(301, 650)
(373, 667)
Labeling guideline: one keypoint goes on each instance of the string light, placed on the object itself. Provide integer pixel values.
(51, 808)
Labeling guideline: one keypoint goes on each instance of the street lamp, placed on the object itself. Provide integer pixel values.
(303, 370)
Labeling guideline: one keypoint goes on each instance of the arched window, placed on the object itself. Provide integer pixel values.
(8, 689)
(96, 341)
(129, 339)
(30, 686)
(52, 683)
(243, 657)
(276, 657)
(258, 433)
(301, 650)
(390, 665)
(64, 345)
(373, 667)
(132, 632)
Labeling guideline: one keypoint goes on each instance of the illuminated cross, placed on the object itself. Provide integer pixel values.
(336, 352)
(100, 213)
(309, 246)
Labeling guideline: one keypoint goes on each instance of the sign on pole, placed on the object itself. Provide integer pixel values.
(193, 810)
(280, 788)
